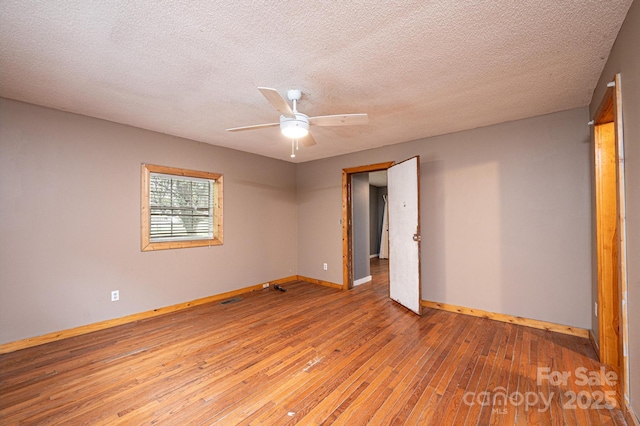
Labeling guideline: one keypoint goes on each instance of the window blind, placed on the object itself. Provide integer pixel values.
(180, 208)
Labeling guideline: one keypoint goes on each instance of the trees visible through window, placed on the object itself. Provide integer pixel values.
(180, 208)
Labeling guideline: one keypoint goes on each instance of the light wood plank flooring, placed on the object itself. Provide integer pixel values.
(312, 355)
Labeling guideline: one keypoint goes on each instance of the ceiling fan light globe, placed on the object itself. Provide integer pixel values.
(295, 132)
(294, 129)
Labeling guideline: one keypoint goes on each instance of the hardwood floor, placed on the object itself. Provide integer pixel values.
(312, 355)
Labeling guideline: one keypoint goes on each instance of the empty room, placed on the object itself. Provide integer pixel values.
(275, 213)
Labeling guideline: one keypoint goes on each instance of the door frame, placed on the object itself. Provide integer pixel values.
(611, 255)
(347, 231)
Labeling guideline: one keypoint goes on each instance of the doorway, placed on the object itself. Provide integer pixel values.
(404, 229)
(609, 185)
(347, 218)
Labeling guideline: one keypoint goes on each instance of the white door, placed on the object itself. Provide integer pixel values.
(404, 233)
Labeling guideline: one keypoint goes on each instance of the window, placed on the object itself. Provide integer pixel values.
(180, 208)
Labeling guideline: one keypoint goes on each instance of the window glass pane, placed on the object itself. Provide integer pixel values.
(180, 208)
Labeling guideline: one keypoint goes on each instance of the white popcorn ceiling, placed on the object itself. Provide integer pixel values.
(191, 68)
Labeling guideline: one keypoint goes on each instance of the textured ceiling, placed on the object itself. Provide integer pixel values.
(191, 68)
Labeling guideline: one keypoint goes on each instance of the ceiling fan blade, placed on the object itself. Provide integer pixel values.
(308, 140)
(339, 120)
(277, 101)
(255, 126)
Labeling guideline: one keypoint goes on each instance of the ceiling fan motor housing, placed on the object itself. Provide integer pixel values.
(294, 95)
(295, 127)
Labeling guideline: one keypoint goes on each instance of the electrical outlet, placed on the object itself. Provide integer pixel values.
(265, 285)
(115, 295)
(324, 266)
(595, 309)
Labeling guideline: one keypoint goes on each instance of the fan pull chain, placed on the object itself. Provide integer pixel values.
(295, 145)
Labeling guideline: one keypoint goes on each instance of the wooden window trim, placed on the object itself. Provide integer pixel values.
(145, 220)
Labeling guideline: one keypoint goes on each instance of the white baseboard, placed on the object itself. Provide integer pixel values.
(362, 280)
(373, 256)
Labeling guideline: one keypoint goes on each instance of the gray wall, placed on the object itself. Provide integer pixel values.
(624, 59)
(70, 222)
(360, 204)
(376, 211)
(374, 233)
(505, 216)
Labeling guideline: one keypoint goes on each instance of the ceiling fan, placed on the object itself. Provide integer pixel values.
(294, 124)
